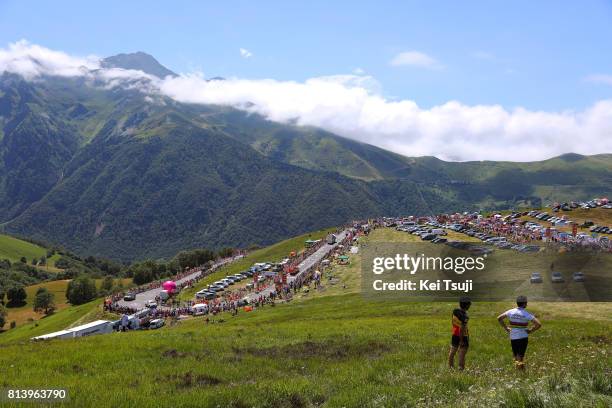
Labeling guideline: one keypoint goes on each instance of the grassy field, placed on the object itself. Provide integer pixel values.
(330, 347)
(332, 351)
(13, 249)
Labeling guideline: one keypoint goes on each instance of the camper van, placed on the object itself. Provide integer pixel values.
(331, 239)
(200, 309)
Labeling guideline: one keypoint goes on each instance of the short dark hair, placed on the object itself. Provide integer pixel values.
(465, 302)
(521, 301)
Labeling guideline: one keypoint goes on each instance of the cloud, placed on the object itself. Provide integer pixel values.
(244, 53)
(415, 59)
(358, 71)
(353, 106)
(31, 61)
(600, 79)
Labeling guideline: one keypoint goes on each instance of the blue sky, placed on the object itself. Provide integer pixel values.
(521, 53)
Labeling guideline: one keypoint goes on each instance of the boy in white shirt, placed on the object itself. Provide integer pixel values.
(519, 329)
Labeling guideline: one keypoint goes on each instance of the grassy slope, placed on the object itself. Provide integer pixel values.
(55, 322)
(13, 249)
(337, 349)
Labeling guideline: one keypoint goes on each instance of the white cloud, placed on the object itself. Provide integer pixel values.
(244, 53)
(352, 106)
(31, 61)
(358, 71)
(416, 59)
(600, 78)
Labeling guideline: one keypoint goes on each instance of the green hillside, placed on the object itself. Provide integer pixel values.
(113, 173)
(14, 249)
(330, 347)
(337, 351)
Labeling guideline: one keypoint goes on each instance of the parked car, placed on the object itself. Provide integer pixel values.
(205, 294)
(578, 277)
(439, 240)
(531, 248)
(151, 304)
(535, 277)
(557, 277)
(129, 296)
(156, 323)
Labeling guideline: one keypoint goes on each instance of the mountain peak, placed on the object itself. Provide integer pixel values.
(139, 61)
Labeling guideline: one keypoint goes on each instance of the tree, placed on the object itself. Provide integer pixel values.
(81, 290)
(23, 260)
(107, 284)
(44, 301)
(3, 314)
(16, 295)
(225, 252)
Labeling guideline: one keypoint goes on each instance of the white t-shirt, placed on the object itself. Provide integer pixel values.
(519, 321)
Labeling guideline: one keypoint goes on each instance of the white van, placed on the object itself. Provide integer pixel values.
(200, 309)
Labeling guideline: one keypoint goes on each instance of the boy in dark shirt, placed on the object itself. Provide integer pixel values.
(460, 333)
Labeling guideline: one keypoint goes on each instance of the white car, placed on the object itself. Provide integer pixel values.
(151, 304)
(156, 323)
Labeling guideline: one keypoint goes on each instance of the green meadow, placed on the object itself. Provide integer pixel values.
(332, 351)
(329, 347)
(14, 249)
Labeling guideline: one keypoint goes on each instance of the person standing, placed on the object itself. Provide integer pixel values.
(519, 329)
(460, 333)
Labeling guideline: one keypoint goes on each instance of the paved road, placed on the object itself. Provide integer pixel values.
(304, 266)
(320, 254)
(317, 256)
(143, 297)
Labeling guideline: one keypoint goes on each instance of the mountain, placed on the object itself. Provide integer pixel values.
(115, 173)
(138, 61)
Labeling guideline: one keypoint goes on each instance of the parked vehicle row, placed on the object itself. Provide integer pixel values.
(427, 232)
(262, 268)
(556, 277)
(562, 221)
(586, 205)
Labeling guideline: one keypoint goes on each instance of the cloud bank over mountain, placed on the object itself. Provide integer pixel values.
(353, 106)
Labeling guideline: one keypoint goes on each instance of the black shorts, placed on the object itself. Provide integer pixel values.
(519, 346)
(456, 339)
